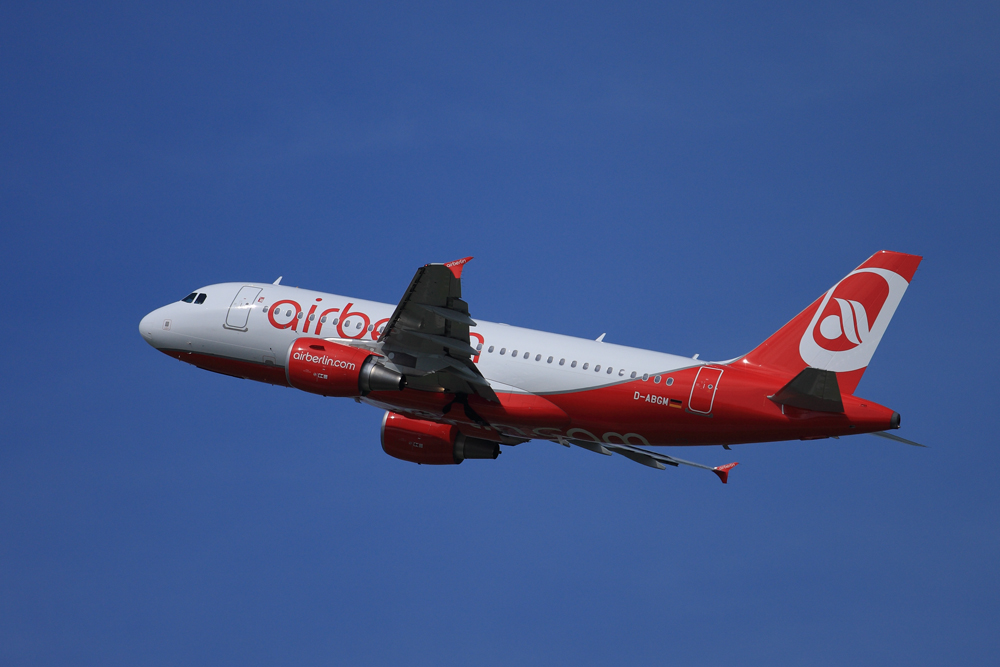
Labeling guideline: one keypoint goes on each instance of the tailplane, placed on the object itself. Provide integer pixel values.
(840, 330)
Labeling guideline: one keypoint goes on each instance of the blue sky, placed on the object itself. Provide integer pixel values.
(684, 178)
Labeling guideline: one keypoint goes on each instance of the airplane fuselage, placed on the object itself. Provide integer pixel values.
(550, 386)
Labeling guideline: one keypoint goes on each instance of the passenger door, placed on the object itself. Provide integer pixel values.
(239, 310)
(706, 383)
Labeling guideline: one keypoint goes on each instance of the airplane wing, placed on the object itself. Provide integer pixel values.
(651, 459)
(427, 337)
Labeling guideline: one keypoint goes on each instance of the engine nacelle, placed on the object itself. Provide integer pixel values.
(331, 369)
(422, 441)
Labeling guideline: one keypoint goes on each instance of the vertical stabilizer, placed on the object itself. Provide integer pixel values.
(840, 330)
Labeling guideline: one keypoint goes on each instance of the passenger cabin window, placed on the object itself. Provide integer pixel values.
(597, 368)
(503, 350)
(527, 354)
(538, 357)
(549, 360)
(201, 299)
(633, 375)
(573, 365)
(585, 366)
(490, 350)
(190, 297)
(562, 362)
(670, 381)
(657, 379)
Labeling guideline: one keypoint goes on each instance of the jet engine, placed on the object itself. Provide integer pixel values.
(331, 369)
(422, 441)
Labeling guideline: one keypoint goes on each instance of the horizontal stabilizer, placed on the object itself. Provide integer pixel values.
(811, 389)
(890, 436)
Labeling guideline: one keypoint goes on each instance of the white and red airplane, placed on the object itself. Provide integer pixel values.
(455, 389)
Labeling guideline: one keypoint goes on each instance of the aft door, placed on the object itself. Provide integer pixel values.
(239, 311)
(706, 383)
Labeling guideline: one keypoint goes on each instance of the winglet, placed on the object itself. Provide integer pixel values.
(723, 471)
(457, 266)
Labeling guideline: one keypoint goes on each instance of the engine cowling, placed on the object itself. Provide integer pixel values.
(430, 443)
(331, 369)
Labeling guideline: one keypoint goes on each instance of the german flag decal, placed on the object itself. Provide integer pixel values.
(674, 403)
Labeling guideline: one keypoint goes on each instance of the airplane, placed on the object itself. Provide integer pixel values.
(454, 388)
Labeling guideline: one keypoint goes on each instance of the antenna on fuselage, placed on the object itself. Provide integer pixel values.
(278, 281)
(600, 339)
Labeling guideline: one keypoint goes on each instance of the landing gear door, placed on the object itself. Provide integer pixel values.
(239, 311)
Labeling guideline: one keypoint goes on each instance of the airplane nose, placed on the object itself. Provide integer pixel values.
(150, 325)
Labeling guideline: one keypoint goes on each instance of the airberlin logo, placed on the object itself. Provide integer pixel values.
(850, 320)
(288, 314)
(325, 360)
(346, 322)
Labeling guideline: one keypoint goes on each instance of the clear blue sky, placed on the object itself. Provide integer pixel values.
(685, 179)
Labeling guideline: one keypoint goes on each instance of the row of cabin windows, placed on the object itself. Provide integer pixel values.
(479, 348)
(195, 298)
(335, 321)
(573, 364)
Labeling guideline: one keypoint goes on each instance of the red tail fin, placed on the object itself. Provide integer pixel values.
(840, 330)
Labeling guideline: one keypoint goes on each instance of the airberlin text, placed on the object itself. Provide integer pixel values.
(325, 360)
(340, 319)
(552, 433)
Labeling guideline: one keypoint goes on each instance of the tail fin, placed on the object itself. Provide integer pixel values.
(840, 330)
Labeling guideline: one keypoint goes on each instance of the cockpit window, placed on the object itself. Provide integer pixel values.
(190, 297)
(201, 299)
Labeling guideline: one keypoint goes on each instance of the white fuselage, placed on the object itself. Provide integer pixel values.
(544, 362)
